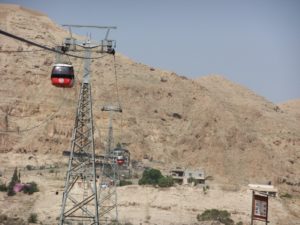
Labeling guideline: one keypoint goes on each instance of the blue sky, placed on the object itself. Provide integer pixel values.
(254, 43)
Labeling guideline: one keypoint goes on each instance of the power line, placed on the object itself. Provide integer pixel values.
(44, 47)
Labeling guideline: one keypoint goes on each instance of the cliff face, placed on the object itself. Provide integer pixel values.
(236, 135)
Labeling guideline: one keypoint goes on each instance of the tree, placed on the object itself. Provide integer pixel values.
(150, 176)
(166, 181)
(12, 183)
(154, 177)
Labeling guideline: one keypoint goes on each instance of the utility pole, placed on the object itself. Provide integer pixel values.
(80, 198)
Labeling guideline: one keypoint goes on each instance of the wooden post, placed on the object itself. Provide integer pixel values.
(267, 221)
(252, 207)
(6, 121)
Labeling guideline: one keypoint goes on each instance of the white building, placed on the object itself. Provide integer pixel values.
(185, 176)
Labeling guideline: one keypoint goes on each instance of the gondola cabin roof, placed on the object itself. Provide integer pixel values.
(62, 65)
(120, 150)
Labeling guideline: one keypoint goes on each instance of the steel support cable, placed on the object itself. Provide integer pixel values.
(116, 80)
(45, 47)
(118, 101)
(118, 97)
(77, 87)
(24, 51)
(21, 51)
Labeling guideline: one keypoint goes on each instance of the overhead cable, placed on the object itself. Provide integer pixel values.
(116, 80)
(21, 51)
(118, 97)
(44, 47)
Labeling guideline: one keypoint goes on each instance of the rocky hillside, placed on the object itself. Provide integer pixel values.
(212, 123)
(292, 107)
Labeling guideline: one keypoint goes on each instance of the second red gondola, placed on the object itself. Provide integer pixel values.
(120, 160)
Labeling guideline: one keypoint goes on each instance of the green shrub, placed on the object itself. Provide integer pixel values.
(42, 167)
(150, 176)
(205, 189)
(154, 177)
(29, 167)
(114, 222)
(239, 223)
(32, 218)
(222, 216)
(3, 188)
(125, 182)
(166, 181)
(30, 188)
(191, 180)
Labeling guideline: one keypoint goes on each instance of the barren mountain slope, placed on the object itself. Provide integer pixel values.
(235, 135)
(292, 107)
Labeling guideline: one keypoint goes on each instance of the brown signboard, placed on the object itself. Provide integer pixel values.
(260, 207)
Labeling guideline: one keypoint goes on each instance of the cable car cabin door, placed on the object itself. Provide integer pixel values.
(62, 75)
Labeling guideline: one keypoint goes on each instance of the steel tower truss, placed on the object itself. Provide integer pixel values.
(80, 203)
(80, 200)
(108, 212)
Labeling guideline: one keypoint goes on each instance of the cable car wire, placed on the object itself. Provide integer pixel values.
(118, 97)
(44, 47)
(21, 51)
(116, 80)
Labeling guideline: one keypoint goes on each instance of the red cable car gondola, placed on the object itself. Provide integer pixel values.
(62, 75)
(120, 160)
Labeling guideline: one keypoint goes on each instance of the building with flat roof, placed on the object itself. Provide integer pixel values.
(185, 176)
